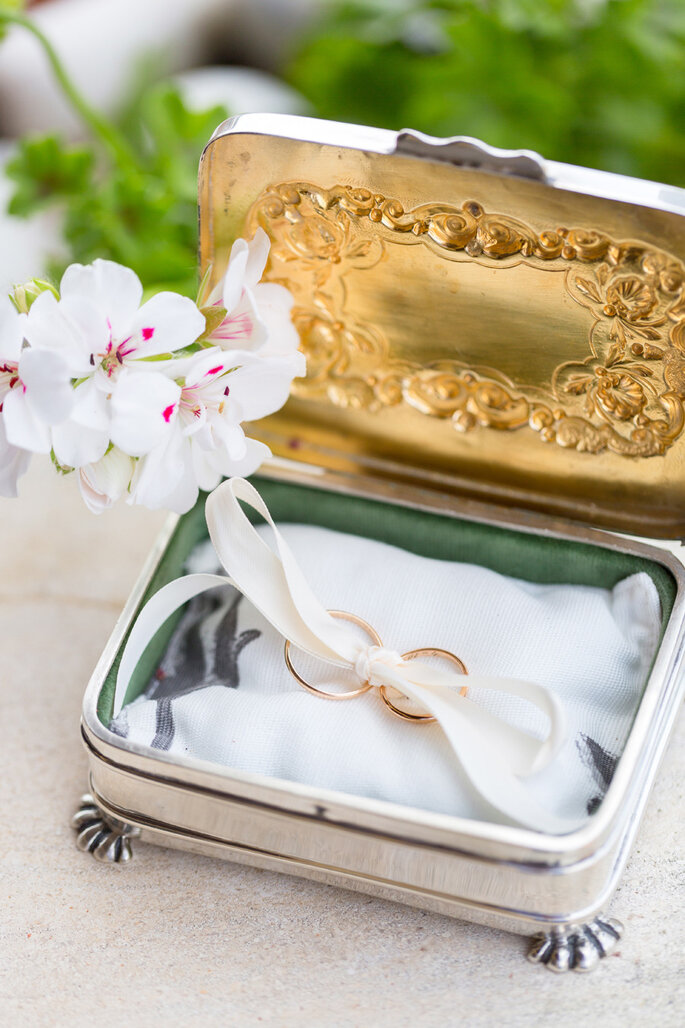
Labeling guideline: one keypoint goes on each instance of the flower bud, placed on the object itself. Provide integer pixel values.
(102, 484)
(23, 296)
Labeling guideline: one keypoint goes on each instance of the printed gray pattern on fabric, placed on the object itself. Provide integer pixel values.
(222, 692)
(203, 651)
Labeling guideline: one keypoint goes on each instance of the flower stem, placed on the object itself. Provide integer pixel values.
(99, 126)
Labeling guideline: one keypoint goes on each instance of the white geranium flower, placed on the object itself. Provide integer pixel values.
(35, 386)
(257, 313)
(100, 329)
(206, 441)
(102, 483)
(35, 391)
(247, 377)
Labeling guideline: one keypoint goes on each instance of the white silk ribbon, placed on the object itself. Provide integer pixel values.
(494, 756)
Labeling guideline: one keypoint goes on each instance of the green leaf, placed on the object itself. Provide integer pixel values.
(214, 316)
(202, 288)
(46, 169)
(173, 125)
(173, 137)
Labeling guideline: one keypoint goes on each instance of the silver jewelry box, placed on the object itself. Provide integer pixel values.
(496, 368)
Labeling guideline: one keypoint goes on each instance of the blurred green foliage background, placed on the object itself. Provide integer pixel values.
(593, 82)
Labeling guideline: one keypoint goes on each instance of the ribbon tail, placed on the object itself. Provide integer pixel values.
(482, 758)
(533, 754)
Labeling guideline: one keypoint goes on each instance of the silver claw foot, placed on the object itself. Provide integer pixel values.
(576, 947)
(106, 838)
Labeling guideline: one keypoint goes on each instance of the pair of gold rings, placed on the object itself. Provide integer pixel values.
(406, 715)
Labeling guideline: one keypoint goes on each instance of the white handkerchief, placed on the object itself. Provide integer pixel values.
(222, 692)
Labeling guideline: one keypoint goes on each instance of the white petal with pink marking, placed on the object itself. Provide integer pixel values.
(242, 328)
(206, 365)
(144, 405)
(165, 323)
(114, 289)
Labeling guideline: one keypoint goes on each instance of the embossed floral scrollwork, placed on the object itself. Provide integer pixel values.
(333, 347)
(627, 397)
(453, 230)
(502, 237)
(630, 298)
(619, 395)
(468, 399)
(584, 245)
(636, 377)
(615, 390)
(308, 226)
(438, 393)
(674, 361)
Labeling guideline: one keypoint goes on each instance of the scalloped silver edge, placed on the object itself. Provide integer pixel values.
(106, 838)
(604, 184)
(576, 947)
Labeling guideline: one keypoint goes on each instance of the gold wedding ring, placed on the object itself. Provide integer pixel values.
(428, 651)
(373, 635)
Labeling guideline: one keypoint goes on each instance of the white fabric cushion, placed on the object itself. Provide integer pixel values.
(223, 694)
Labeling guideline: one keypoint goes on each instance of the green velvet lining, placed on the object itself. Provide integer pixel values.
(517, 554)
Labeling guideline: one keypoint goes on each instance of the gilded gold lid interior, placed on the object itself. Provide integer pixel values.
(472, 330)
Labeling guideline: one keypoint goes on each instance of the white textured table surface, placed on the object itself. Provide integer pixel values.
(174, 939)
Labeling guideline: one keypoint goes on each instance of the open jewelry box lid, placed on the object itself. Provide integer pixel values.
(477, 321)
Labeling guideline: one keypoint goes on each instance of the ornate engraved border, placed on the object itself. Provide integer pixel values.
(626, 397)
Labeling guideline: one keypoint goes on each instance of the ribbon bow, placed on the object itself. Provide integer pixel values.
(493, 755)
